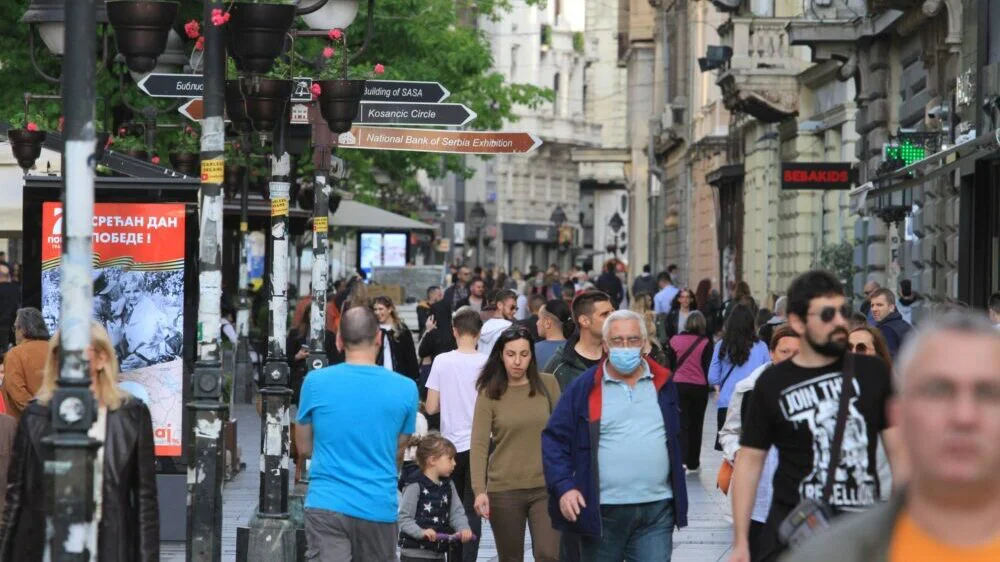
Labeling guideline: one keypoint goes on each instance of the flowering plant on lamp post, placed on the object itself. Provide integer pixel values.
(340, 95)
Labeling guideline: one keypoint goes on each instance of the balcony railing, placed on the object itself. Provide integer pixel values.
(759, 43)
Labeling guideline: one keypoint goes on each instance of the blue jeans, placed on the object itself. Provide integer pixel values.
(641, 532)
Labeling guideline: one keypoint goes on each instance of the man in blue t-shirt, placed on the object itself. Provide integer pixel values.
(354, 419)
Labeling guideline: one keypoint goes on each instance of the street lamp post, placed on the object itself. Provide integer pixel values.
(206, 463)
(477, 215)
(71, 505)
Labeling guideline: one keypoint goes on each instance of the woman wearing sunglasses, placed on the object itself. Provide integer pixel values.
(865, 340)
(514, 404)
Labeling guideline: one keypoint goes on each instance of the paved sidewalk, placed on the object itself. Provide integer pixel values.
(705, 539)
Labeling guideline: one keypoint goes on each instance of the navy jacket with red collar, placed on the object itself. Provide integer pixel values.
(570, 444)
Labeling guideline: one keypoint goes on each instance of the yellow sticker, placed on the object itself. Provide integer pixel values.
(279, 207)
(212, 171)
(320, 224)
(244, 226)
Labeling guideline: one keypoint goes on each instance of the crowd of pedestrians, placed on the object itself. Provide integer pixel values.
(576, 414)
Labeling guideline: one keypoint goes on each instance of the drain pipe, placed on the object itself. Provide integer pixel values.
(654, 169)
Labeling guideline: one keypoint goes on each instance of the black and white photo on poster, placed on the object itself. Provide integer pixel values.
(815, 403)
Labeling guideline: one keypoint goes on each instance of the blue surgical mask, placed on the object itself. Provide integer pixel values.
(625, 359)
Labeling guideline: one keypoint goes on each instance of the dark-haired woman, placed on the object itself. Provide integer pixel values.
(555, 325)
(513, 406)
(735, 356)
(682, 307)
(398, 351)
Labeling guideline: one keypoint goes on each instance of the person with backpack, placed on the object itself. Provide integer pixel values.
(692, 351)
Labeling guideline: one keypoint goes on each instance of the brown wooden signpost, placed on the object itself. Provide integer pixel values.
(436, 140)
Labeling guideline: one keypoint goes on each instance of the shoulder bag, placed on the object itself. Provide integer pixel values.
(811, 516)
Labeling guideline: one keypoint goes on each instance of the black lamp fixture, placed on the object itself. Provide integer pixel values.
(558, 217)
(477, 215)
(716, 57)
(49, 16)
(616, 223)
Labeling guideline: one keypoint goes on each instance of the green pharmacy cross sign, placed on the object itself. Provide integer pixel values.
(904, 151)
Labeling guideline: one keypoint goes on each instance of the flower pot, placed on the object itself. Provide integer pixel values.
(186, 163)
(339, 102)
(235, 109)
(266, 101)
(232, 182)
(26, 146)
(141, 30)
(256, 34)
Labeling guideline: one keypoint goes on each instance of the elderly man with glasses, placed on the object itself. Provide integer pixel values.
(612, 455)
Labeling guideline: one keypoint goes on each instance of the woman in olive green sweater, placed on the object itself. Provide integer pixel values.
(513, 406)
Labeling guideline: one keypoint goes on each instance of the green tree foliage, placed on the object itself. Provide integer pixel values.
(838, 259)
(427, 40)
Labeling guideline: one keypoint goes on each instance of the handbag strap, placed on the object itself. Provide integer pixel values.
(688, 352)
(726, 378)
(846, 393)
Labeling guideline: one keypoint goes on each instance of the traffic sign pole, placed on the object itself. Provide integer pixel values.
(436, 140)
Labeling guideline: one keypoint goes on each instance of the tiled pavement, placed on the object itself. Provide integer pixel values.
(705, 539)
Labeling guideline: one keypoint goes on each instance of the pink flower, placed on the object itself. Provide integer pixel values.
(327, 52)
(62, 120)
(316, 90)
(379, 69)
(199, 45)
(111, 141)
(32, 126)
(335, 34)
(219, 17)
(192, 29)
(121, 132)
(155, 160)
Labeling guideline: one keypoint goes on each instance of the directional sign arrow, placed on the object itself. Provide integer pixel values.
(436, 140)
(403, 113)
(172, 85)
(193, 110)
(402, 90)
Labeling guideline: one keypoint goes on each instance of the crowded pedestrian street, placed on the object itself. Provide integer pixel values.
(706, 538)
(499, 281)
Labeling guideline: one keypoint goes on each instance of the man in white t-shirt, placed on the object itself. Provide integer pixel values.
(451, 390)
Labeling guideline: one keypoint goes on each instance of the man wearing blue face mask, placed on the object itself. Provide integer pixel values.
(611, 453)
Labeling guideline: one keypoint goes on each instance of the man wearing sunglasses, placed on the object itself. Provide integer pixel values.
(794, 408)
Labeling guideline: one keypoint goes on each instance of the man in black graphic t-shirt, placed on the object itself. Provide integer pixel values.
(794, 408)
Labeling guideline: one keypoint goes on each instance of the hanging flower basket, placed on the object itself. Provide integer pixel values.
(141, 29)
(26, 146)
(266, 101)
(187, 163)
(256, 34)
(339, 102)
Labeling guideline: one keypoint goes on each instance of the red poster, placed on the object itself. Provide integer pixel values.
(138, 298)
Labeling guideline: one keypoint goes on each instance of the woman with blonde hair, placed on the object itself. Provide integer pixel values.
(643, 305)
(126, 509)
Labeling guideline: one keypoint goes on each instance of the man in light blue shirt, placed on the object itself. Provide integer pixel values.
(354, 419)
(664, 299)
(625, 498)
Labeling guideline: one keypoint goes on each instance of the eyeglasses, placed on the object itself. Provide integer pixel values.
(859, 348)
(634, 341)
(828, 313)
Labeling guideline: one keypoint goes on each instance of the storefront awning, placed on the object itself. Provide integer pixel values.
(354, 214)
(926, 169)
